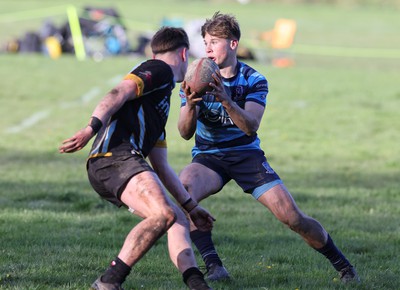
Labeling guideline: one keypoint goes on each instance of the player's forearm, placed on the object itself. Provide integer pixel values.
(108, 106)
(114, 100)
(173, 185)
(243, 120)
(170, 180)
(187, 122)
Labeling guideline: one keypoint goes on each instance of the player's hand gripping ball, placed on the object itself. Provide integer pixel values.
(199, 75)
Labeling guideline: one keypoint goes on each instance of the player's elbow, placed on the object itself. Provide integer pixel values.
(185, 133)
(186, 136)
(252, 129)
(251, 133)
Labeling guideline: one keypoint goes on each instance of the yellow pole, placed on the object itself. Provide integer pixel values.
(76, 33)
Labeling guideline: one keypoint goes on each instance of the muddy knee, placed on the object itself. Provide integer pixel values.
(295, 222)
(166, 218)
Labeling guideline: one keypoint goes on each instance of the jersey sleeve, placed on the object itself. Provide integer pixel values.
(149, 75)
(258, 89)
(139, 82)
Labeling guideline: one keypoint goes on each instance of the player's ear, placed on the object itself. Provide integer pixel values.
(184, 54)
(234, 43)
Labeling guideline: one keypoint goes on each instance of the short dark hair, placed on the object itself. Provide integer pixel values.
(222, 25)
(168, 39)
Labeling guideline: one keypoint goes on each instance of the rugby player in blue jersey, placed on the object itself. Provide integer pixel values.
(129, 125)
(225, 124)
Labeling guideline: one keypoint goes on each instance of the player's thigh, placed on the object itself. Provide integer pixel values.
(200, 181)
(281, 203)
(145, 194)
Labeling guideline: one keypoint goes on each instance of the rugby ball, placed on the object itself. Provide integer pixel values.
(199, 75)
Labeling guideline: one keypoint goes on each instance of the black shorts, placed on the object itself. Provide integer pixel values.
(249, 169)
(110, 175)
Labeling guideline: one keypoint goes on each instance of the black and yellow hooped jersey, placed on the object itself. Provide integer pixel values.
(139, 125)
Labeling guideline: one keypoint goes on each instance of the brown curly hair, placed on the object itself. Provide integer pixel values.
(222, 25)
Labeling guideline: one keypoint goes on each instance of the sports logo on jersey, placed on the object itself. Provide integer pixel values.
(220, 116)
(239, 92)
(146, 75)
(268, 168)
(262, 85)
(163, 108)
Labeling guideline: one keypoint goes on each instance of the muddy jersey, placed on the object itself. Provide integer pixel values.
(215, 131)
(139, 124)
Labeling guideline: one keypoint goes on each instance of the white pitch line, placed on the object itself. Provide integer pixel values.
(115, 80)
(84, 99)
(38, 116)
(90, 95)
(28, 122)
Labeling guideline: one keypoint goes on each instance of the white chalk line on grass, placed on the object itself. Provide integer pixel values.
(28, 122)
(84, 99)
(41, 115)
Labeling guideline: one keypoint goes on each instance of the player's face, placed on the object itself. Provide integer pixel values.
(219, 50)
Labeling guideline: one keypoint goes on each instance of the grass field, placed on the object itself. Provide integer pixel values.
(331, 130)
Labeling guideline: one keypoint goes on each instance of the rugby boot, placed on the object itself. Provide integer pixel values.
(100, 285)
(217, 272)
(349, 275)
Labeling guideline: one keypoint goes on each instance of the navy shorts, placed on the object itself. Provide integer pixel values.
(110, 175)
(249, 169)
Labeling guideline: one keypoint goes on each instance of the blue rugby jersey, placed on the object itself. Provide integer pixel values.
(215, 131)
(139, 125)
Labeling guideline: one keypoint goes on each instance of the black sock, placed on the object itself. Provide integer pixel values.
(205, 245)
(191, 272)
(116, 273)
(334, 255)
